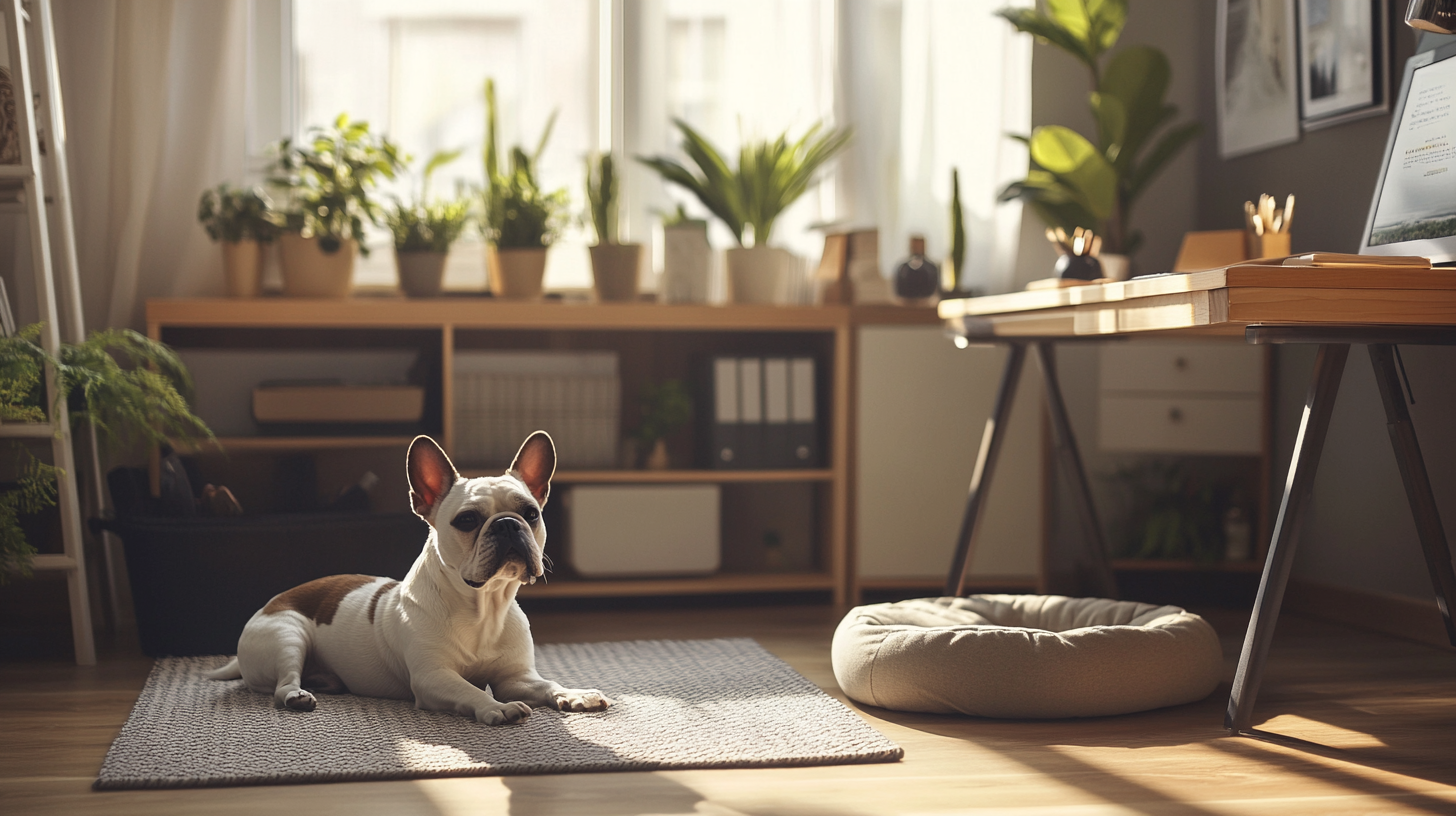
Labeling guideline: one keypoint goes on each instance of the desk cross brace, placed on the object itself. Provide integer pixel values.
(1066, 448)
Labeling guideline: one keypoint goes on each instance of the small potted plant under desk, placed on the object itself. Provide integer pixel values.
(614, 265)
(241, 222)
(423, 233)
(521, 221)
(326, 182)
(770, 176)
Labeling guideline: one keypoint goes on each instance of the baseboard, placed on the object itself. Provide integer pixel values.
(1394, 615)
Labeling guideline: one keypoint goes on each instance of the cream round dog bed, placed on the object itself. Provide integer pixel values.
(1025, 656)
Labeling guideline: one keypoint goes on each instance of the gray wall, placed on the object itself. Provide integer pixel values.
(1359, 533)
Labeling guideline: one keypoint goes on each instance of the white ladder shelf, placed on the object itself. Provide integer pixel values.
(30, 35)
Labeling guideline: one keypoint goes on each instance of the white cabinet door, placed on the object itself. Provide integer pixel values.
(923, 405)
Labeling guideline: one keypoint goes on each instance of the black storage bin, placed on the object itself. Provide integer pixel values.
(196, 581)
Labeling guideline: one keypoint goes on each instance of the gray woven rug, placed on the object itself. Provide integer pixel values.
(679, 704)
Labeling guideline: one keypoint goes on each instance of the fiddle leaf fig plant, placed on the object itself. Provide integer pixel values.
(1074, 181)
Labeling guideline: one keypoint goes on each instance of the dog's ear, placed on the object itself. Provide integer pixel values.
(535, 464)
(431, 474)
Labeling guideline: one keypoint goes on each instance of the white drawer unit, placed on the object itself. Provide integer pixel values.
(1183, 398)
(1182, 424)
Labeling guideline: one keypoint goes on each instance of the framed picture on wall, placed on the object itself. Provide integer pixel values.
(1256, 80)
(1343, 65)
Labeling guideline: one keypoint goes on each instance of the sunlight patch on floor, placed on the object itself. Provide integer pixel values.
(1323, 733)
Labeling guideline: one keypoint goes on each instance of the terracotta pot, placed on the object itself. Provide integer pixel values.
(756, 275)
(308, 271)
(516, 273)
(686, 261)
(614, 271)
(242, 267)
(421, 273)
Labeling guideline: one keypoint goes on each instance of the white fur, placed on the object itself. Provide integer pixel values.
(434, 638)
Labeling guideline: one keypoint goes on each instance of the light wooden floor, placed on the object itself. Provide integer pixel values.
(1381, 712)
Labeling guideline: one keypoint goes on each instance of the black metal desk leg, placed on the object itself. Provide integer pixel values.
(1066, 444)
(991, 439)
(1329, 367)
(1417, 485)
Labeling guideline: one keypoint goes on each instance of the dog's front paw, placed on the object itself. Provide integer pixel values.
(502, 714)
(581, 700)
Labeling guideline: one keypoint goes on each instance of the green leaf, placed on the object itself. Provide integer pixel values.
(1111, 119)
(1095, 23)
(1138, 77)
(1085, 172)
(1047, 30)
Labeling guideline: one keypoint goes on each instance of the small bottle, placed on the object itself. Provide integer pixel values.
(917, 279)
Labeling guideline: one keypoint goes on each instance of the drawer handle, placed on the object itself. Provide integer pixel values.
(1180, 363)
(1175, 414)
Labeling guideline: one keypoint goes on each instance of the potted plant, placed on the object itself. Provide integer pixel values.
(424, 231)
(686, 257)
(241, 221)
(666, 406)
(770, 176)
(327, 181)
(614, 265)
(1074, 182)
(521, 220)
(146, 400)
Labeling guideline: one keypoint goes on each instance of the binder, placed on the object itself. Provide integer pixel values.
(777, 452)
(750, 408)
(803, 427)
(724, 448)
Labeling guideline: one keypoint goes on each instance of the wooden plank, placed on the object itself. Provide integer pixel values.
(245, 444)
(1246, 275)
(1349, 306)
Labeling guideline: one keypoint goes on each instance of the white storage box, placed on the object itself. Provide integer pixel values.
(502, 396)
(622, 530)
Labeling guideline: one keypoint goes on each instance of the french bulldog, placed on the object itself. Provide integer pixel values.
(446, 632)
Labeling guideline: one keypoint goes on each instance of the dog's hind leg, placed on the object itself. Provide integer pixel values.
(272, 653)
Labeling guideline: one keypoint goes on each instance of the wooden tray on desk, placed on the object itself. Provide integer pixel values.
(1217, 301)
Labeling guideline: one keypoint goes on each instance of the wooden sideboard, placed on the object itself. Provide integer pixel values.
(653, 342)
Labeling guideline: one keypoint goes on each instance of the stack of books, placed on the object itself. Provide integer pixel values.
(502, 396)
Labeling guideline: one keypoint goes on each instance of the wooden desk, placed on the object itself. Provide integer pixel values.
(1332, 307)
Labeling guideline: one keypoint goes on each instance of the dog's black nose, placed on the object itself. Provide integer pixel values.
(507, 524)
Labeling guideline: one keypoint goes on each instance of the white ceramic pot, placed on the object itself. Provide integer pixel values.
(1115, 266)
(310, 272)
(242, 267)
(614, 271)
(516, 273)
(421, 273)
(686, 262)
(757, 274)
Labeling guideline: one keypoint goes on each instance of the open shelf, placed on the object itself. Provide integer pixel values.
(720, 583)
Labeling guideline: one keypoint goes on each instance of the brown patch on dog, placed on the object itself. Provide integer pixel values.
(373, 602)
(318, 599)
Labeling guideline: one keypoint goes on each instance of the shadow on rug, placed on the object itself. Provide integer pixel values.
(679, 704)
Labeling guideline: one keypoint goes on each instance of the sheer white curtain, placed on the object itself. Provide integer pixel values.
(155, 94)
(929, 85)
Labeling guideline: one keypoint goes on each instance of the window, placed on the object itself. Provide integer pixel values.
(619, 71)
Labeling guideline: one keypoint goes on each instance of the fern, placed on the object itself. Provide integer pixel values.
(129, 387)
